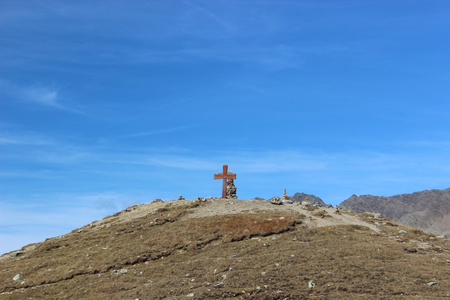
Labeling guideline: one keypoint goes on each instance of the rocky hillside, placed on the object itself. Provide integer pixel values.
(428, 210)
(245, 249)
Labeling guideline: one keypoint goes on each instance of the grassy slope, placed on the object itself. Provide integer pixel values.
(263, 254)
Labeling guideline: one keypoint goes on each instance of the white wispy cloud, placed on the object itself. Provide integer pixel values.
(37, 94)
(160, 131)
(7, 138)
(42, 95)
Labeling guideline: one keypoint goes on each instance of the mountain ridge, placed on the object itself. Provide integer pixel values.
(428, 210)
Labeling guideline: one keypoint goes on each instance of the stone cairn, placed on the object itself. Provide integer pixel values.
(231, 189)
(285, 199)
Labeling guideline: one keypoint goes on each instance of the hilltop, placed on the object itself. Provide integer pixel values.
(428, 210)
(213, 248)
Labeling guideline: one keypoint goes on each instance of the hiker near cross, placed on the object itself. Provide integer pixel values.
(225, 176)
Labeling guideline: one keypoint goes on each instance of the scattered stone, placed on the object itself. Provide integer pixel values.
(376, 216)
(131, 208)
(402, 231)
(276, 201)
(431, 283)
(390, 224)
(224, 276)
(17, 277)
(410, 249)
(16, 253)
(190, 295)
(123, 271)
(306, 202)
(219, 284)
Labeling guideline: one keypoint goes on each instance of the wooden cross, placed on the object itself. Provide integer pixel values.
(225, 176)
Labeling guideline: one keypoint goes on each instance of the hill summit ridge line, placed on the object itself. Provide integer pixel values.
(207, 248)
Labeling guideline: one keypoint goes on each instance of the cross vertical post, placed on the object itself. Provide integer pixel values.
(224, 176)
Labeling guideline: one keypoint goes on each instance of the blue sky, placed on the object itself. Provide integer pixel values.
(106, 104)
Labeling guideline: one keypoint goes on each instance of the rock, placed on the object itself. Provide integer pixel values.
(410, 249)
(377, 216)
(402, 231)
(157, 201)
(219, 284)
(17, 277)
(181, 197)
(123, 271)
(16, 253)
(276, 201)
(190, 295)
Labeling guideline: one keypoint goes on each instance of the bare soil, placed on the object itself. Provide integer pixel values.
(246, 249)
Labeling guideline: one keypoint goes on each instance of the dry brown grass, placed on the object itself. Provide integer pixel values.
(264, 254)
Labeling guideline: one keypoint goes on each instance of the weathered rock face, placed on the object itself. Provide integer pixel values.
(428, 210)
(300, 197)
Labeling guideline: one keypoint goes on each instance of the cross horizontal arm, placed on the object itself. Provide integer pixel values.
(229, 175)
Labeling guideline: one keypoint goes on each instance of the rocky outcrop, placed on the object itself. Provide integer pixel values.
(428, 210)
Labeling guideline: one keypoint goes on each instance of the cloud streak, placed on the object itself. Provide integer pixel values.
(37, 94)
(159, 131)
